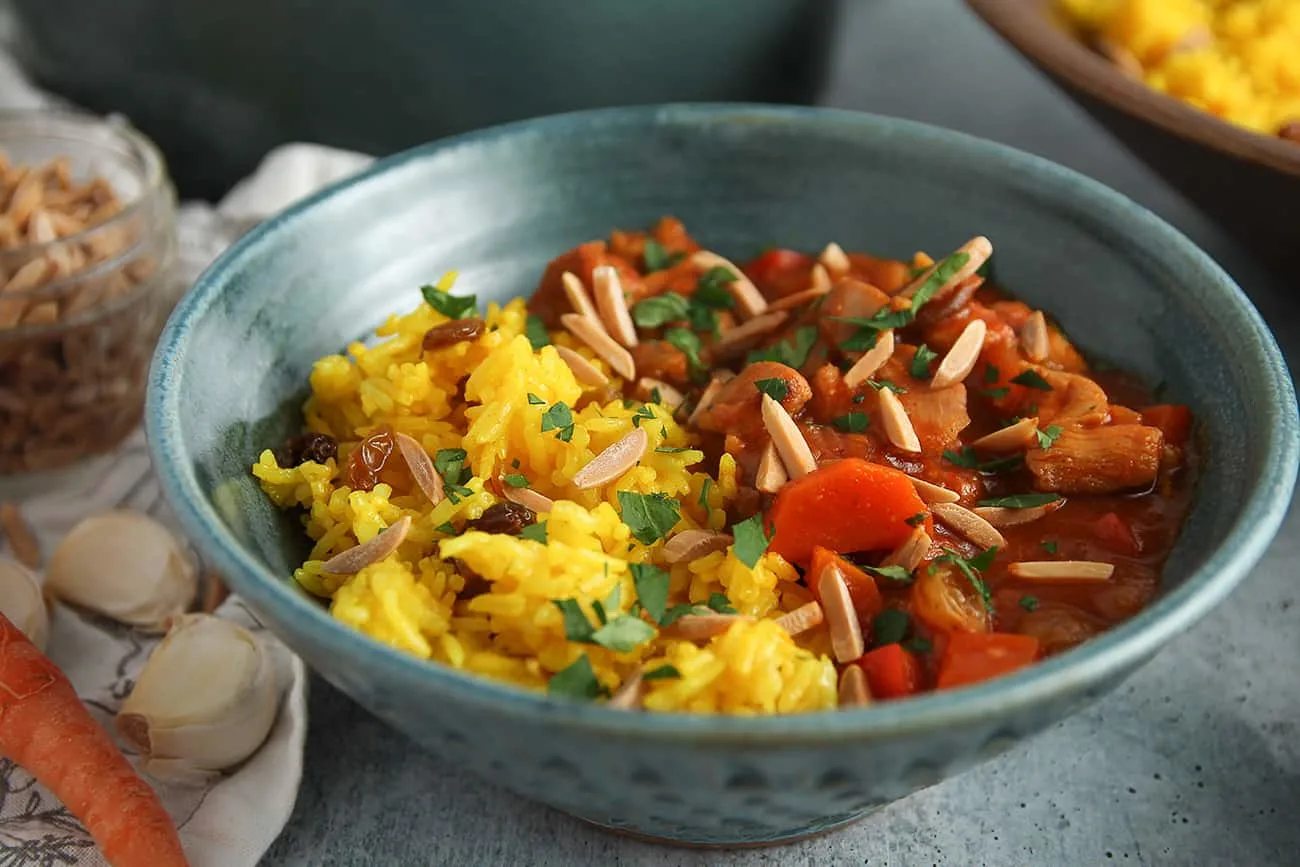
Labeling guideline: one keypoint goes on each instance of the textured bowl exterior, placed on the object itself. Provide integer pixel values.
(229, 376)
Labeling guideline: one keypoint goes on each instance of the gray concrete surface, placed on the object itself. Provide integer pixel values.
(1195, 761)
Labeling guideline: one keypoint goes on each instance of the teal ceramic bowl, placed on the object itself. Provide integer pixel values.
(231, 368)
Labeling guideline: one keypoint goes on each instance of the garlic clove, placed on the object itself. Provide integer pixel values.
(204, 702)
(21, 601)
(124, 565)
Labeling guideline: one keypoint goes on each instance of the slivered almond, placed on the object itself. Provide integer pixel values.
(579, 300)
(39, 228)
(421, 467)
(690, 545)
(736, 340)
(1061, 570)
(960, 359)
(977, 249)
(27, 550)
(629, 695)
(710, 392)
(820, 280)
(1034, 338)
(801, 619)
(611, 304)
(750, 301)
(911, 553)
(1000, 516)
(1012, 438)
(529, 499)
(854, 690)
(834, 259)
(613, 461)
(380, 546)
(872, 360)
(932, 493)
(841, 617)
(771, 474)
(807, 296)
(968, 524)
(785, 434)
(590, 333)
(700, 627)
(583, 370)
(668, 395)
(898, 427)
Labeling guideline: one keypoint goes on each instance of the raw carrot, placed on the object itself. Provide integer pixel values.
(848, 505)
(892, 671)
(862, 587)
(1174, 420)
(48, 732)
(974, 657)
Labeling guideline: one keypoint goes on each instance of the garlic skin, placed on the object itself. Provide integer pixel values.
(22, 602)
(204, 702)
(125, 566)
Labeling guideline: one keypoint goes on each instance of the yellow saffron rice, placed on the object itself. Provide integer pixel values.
(511, 629)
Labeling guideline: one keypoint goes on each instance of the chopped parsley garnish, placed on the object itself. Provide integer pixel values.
(776, 388)
(920, 364)
(1020, 501)
(450, 464)
(620, 633)
(792, 352)
(451, 306)
(1048, 436)
(534, 400)
(576, 681)
(712, 291)
(889, 627)
(535, 532)
(1029, 603)
(688, 342)
(660, 310)
(869, 327)
(944, 271)
(720, 603)
(1049, 546)
(663, 672)
(515, 463)
(649, 516)
(446, 527)
(673, 450)
(967, 458)
(972, 568)
(644, 412)
(881, 384)
(657, 258)
(891, 573)
(717, 604)
(536, 332)
(704, 495)
(916, 644)
(916, 520)
(751, 540)
(858, 398)
(576, 625)
(651, 585)
(559, 418)
(853, 422)
(1032, 379)
(991, 374)
(515, 480)
(996, 393)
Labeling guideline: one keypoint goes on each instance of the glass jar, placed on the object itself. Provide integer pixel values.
(87, 248)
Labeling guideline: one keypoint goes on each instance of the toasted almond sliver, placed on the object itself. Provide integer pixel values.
(807, 296)
(27, 550)
(590, 333)
(912, 552)
(978, 249)
(421, 467)
(579, 300)
(29, 276)
(612, 306)
(801, 619)
(1012, 438)
(45, 313)
(583, 370)
(820, 280)
(790, 444)
(529, 499)
(669, 396)
(968, 524)
(39, 228)
(1061, 570)
(380, 546)
(835, 259)
(960, 359)
(872, 360)
(898, 427)
(690, 545)
(710, 392)
(932, 493)
(613, 461)
(771, 474)
(1000, 516)
(700, 627)
(841, 617)
(748, 298)
(736, 340)
(1034, 337)
(629, 695)
(854, 691)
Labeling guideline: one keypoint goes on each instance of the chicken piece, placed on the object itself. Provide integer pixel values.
(737, 407)
(1061, 354)
(549, 301)
(848, 298)
(938, 415)
(1101, 460)
(661, 360)
(1073, 401)
(887, 275)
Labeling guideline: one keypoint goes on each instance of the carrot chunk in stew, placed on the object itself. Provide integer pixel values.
(971, 658)
(867, 600)
(892, 671)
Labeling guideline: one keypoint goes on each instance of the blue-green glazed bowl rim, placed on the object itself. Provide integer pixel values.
(1114, 652)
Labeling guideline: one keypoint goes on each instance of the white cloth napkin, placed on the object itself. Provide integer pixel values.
(232, 822)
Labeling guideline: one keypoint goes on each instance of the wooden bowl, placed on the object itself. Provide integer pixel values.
(1248, 182)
